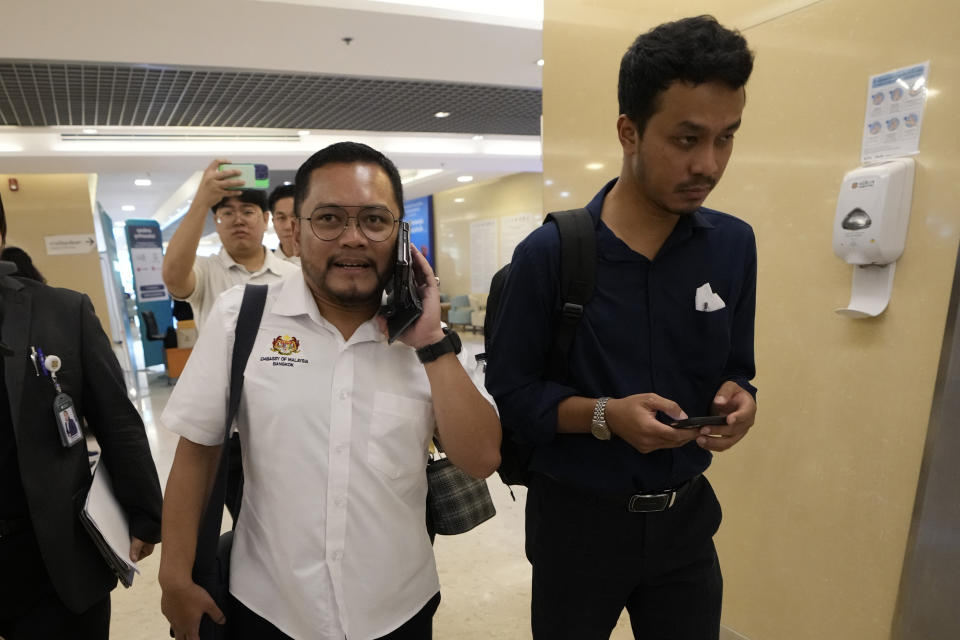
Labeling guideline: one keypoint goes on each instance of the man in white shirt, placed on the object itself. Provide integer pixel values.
(281, 212)
(336, 422)
(241, 217)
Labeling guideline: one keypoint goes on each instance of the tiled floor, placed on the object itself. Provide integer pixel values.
(484, 575)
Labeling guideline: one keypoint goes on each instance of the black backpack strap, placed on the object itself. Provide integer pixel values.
(248, 322)
(493, 304)
(578, 272)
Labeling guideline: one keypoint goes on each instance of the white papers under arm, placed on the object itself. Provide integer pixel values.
(104, 519)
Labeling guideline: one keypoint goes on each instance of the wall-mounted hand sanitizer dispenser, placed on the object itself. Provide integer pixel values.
(870, 230)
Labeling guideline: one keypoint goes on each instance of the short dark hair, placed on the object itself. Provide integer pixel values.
(694, 50)
(25, 266)
(3, 223)
(345, 153)
(250, 196)
(281, 192)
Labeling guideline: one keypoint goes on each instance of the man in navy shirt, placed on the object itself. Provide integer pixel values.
(618, 513)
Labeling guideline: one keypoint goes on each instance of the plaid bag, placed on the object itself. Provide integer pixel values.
(456, 502)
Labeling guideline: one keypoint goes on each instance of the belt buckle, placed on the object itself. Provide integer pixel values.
(651, 502)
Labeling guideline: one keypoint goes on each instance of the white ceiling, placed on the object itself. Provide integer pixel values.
(526, 14)
(117, 189)
(440, 41)
(408, 42)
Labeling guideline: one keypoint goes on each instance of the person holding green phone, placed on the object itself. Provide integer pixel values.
(241, 216)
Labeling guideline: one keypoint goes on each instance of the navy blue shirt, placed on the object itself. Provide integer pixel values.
(640, 333)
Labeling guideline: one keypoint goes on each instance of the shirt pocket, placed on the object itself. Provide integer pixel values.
(707, 342)
(400, 433)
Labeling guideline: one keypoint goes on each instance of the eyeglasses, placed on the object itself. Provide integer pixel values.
(329, 223)
(228, 215)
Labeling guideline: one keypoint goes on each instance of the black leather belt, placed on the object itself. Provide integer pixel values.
(8, 527)
(647, 502)
(655, 500)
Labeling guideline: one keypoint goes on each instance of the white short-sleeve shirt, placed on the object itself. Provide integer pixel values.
(280, 254)
(331, 540)
(215, 274)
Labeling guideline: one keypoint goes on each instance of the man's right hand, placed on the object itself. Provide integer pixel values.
(184, 605)
(634, 419)
(214, 185)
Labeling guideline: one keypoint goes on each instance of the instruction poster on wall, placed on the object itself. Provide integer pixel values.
(146, 256)
(894, 115)
(483, 254)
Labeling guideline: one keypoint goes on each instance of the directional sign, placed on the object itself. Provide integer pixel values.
(60, 245)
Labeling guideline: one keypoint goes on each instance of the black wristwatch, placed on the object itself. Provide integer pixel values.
(450, 344)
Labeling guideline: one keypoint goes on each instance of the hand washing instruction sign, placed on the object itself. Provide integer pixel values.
(66, 245)
(895, 103)
(146, 255)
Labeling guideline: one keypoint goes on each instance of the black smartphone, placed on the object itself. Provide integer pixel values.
(694, 423)
(401, 306)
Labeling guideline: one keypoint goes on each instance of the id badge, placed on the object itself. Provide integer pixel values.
(67, 423)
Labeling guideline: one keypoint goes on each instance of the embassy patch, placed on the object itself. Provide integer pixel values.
(286, 347)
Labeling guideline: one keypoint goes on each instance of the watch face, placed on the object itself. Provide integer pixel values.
(600, 431)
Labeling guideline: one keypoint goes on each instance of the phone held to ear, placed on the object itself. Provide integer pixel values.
(402, 305)
(254, 176)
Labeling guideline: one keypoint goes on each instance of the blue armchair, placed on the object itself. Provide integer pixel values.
(460, 310)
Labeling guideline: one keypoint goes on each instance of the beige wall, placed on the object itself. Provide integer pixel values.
(818, 498)
(56, 204)
(521, 193)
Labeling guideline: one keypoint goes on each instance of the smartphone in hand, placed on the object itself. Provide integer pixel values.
(402, 305)
(697, 422)
(254, 176)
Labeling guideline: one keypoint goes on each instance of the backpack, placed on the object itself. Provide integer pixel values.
(578, 252)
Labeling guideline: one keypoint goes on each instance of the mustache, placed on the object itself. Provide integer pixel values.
(332, 260)
(703, 181)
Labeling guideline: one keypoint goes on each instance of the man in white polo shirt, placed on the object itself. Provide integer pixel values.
(335, 421)
(241, 217)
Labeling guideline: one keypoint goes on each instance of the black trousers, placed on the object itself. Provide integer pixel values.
(246, 625)
(591, 558)
(29, 606)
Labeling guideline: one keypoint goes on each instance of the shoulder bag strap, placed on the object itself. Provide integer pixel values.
(248, 321)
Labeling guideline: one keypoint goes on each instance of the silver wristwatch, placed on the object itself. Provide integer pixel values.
(599, 427)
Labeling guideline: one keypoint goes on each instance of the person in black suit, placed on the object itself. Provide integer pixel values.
(23, 262)
(53, 581)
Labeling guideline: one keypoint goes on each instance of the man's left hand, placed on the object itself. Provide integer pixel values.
(738, 405)
(426, 330)
(139, 549)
